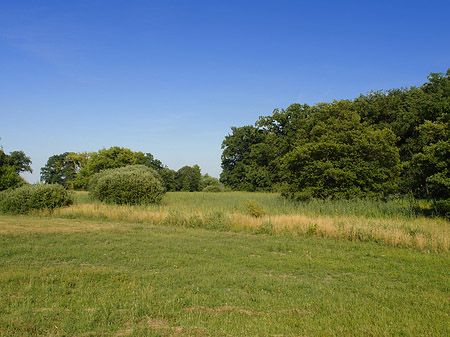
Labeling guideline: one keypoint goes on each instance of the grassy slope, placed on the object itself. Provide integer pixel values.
(80, 277)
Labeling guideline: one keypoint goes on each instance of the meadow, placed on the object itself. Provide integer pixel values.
(395, 222)
(200, 264)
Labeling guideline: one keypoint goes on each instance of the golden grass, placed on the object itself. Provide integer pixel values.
(420, 233)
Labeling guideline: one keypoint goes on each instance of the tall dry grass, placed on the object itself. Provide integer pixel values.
(227, 212)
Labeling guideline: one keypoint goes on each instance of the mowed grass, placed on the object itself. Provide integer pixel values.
(78, 277)
(397, 222)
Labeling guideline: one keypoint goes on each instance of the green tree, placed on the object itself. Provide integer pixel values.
(429, 173)
(116, 157)
(167, 175)
(244, 159)
(189, 178)
(168, 178)
(251, 158)
(412, 120)
(429, 169)
(207, 180)
(9, 178)
(60, 169)
(339, 156)
(409, 112)
(10, 167)
(74, 170)
(20, 162)
(113, 157)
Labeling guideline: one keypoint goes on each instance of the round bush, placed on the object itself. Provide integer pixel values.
(34, 197)
(132, 185)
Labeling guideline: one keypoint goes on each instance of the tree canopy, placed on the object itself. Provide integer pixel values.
(75, 170)
(10, 168)
(394, 141)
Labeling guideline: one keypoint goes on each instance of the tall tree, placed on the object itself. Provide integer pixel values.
(340, 157)
(113, 157)
(244, 159)
(60, 169)
(10, 167)
(189, 178)
(20, 162)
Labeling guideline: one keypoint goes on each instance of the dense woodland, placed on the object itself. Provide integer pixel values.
(386, 142)
(382, 143)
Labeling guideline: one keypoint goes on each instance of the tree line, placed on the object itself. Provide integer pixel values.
(386, 142)
(75, 170)
(382, 143)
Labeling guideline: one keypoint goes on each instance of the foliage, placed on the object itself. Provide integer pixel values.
(394, 141)
(20, 162)
(9, 178)
(134, 185)
(243, 160)
(74, 170)
(34, 197)
(340, 157)
(254, 208)
(189, 179)
(442, 208)
(208, 181)
(168, 177)
(113, 157)
(10, 167)
(430, 168)
(61, 169)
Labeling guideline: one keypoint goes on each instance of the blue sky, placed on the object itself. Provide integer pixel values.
(172, 77)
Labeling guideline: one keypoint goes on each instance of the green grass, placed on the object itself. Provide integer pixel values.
(75, 277)
(274, 204)
(395, 222)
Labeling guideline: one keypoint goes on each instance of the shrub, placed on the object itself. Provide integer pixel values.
(442, 208)
(34, 197)
(212, 188)
(132, 185)
(254, 208)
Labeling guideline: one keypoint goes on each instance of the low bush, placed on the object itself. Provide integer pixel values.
(130, 185)
(34, 197)
(254, 208)
(442, 208)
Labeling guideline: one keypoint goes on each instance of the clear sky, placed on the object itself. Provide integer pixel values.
(171, 77)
